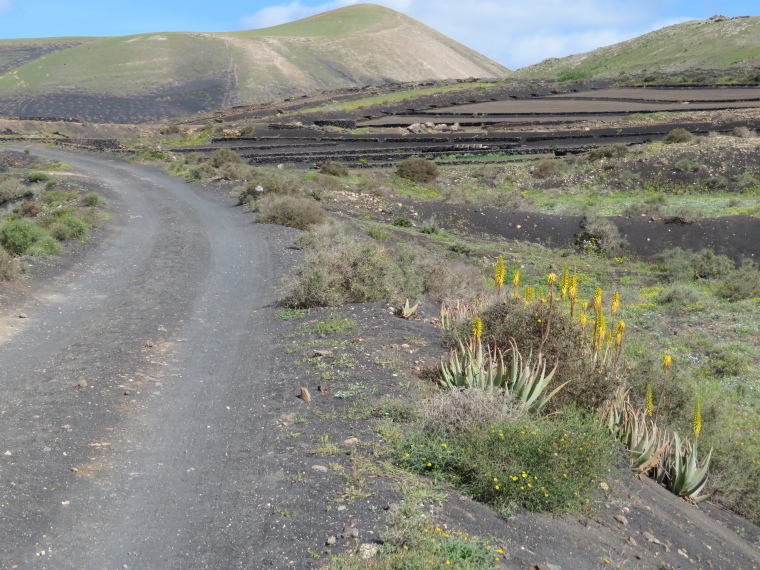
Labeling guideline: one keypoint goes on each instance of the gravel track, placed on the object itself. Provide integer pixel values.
(155, 463)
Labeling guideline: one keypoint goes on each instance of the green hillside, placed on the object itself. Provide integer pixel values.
(697, 44)
(358, 45)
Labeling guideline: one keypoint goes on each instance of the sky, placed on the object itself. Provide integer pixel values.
(515, 33)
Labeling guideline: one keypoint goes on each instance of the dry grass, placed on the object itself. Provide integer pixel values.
(458, 411)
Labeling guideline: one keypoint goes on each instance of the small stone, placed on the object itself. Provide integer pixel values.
(149, 343)
(304, 395)
(604, 486)
(82, 383)
(319, 468)
(23, 316)
(330, 541)
(342, 507)
(631, 541)
(368, 550)
(321, 353)
(351, 441)
(350, 532)
(622, 520)
(127, 393)
(75, 470)
(7, 453)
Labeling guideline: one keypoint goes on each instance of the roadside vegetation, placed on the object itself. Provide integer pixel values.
(40, 211)
(559, 356)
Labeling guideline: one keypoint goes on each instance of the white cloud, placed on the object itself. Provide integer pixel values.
(515, 33)
(5, 5)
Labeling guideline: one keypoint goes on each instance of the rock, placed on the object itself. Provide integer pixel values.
(604, 486)
(23, 316)
(321, 353)
(304, 395)
(351, 441)
(7, 453)
(320, 468)
(622, 520)
(368, 550)
(82, 383)
(149, 343)
(342, 508)
(350, 532)
(330, 541)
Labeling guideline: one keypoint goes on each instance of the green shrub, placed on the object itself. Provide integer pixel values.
(24, 237)
(70, 228)
(686, 265)
(10, 189)
(233, 171)
(417, 170)
(402, 223)
(538, 465)
(741, 284)
(679, 294)
(678, 135)
(334, 168)
(649, 207)
(222, 156)
(169, 130)
(202, 171)
(548, 169)
(37, 177)
(297, 212)
(8, 266)
(718, 182)
(727, 360)
(377, 233)
(687, 164)
(53, 197)
(91, 199)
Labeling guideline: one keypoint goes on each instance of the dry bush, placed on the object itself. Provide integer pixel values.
(233, 171)
(375, 186)
(334, 168)
(508, 199)
(272, 181)
(8, 266)
(742, 133)
(297, 212)
(548, 169)
(417, 170)
(457, 411)
(446, 279)
(602, 233)
(678, 135)
(614, 151)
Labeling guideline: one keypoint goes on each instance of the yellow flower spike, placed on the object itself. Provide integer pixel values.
(597, 299)
(696, 421)
(582, 321)
(551, 279)
(529, 294)
(619, 333)
(615, 304)
(649, 402)
(477, 329)
(516, 281)
(564, 282)
(498, 274)
(666, 362)
(584, 306)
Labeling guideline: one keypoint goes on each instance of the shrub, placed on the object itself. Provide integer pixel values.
(650, 207)
(402, 222)
(718, 182)
(202, 171)
(686, 265)
(222, 156)
(8, 265)
(52, 197)
(23, 236)
(742, 133)
(233, 171)
(679, 294)
(686, 165)
(614, 151)
(548, 169)
(272, 182)
(417, 170)
(29, 210)
(726, 360)
(599, 235)
(741, 284)
(70, 228)
(334, 168)
(678, 135)
(297, 212)
(37, 177)
(169, 130)
(539, 465)
(457, 411)
(91, 199)
(590, 385)
(10, 190)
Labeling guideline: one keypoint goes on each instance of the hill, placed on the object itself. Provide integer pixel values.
(152, 76)
(717, 43)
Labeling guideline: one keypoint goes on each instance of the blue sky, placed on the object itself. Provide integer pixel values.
(513, 32)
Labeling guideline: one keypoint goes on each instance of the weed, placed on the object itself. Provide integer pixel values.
(417, 170)
(325, 447)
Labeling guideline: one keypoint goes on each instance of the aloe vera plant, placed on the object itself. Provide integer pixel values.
(472, 366)
(644, 440)
(680, 471)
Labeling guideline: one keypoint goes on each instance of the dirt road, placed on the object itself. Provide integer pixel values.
(133, 428)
